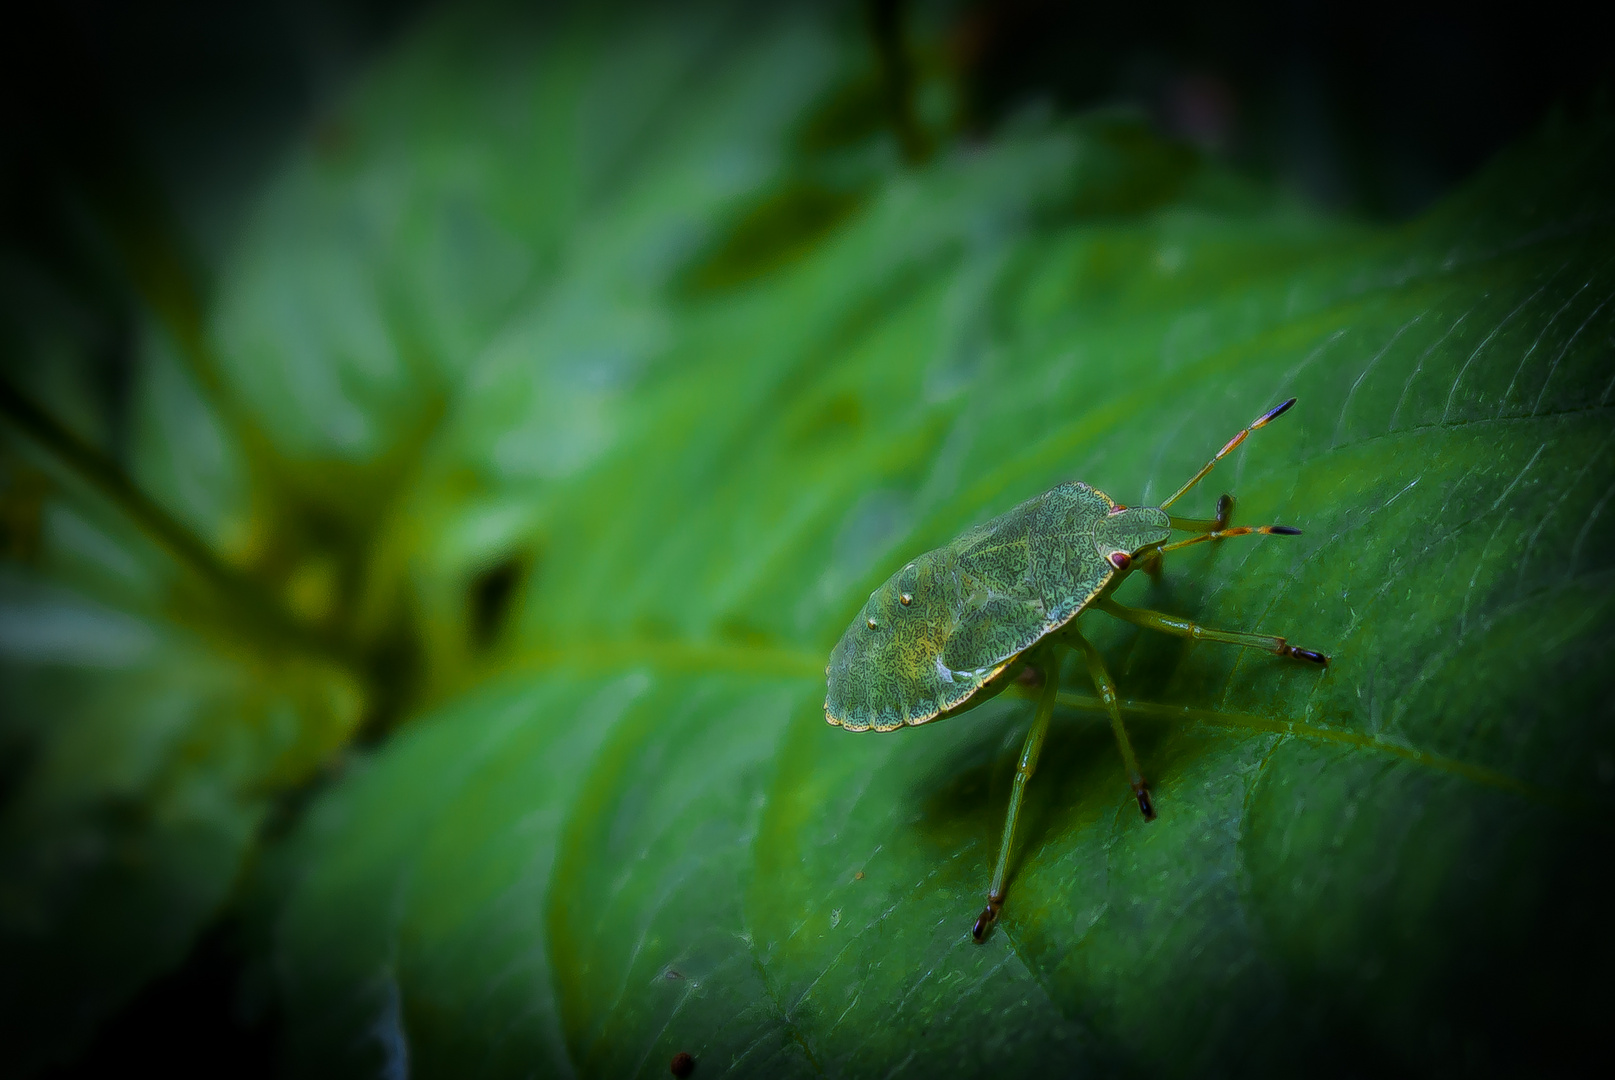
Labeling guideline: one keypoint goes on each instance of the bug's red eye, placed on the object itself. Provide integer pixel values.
(1118, 508)
(1120, 560)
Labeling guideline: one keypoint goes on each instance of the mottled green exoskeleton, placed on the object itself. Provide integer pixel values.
(959, 624)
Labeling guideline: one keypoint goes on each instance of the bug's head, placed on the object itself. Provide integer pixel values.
(1128, 533)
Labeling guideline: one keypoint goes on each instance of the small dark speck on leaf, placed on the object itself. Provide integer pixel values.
(683, 1064)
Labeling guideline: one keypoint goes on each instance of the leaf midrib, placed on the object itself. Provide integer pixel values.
(696, 659)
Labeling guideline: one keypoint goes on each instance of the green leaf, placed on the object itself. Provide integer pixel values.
(640, 837)
(145, 744)
(214, 586)
(557, 407)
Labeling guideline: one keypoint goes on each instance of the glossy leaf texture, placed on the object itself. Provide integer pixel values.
(663, 364)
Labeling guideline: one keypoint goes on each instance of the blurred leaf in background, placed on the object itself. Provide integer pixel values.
(438, 612)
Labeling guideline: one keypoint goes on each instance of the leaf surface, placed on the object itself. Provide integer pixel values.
(584, 378)
(641, 838)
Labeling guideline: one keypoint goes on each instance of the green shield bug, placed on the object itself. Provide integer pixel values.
(957, 625)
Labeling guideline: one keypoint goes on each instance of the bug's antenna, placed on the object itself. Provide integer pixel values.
(1261, 421)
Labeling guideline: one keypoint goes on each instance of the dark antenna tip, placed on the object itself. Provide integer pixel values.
(1275, 412)
(1284, 530)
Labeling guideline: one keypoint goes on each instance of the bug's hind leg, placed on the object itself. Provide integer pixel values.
(1107, 693)
(1048, 663)
(1171, 624)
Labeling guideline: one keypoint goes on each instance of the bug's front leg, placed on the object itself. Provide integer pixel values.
(1048, 664)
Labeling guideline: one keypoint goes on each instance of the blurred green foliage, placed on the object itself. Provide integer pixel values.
(453, 610)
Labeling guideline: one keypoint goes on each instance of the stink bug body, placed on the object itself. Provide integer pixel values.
(957, 625)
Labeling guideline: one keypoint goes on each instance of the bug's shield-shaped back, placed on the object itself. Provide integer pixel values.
(931, 639)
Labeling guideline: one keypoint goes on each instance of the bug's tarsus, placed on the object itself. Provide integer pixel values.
(1145, 806)
(984, 921)
(1225, 510)
(1305, 654)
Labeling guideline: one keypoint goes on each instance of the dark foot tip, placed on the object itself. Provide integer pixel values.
(1285, 530)
(984, 922)
(1145, 806)
(1307, 654)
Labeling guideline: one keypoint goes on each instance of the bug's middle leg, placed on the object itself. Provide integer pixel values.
(1172, 624)
(1049, 663)
(1106, 687)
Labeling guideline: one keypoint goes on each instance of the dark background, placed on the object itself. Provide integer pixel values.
(155, 123)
